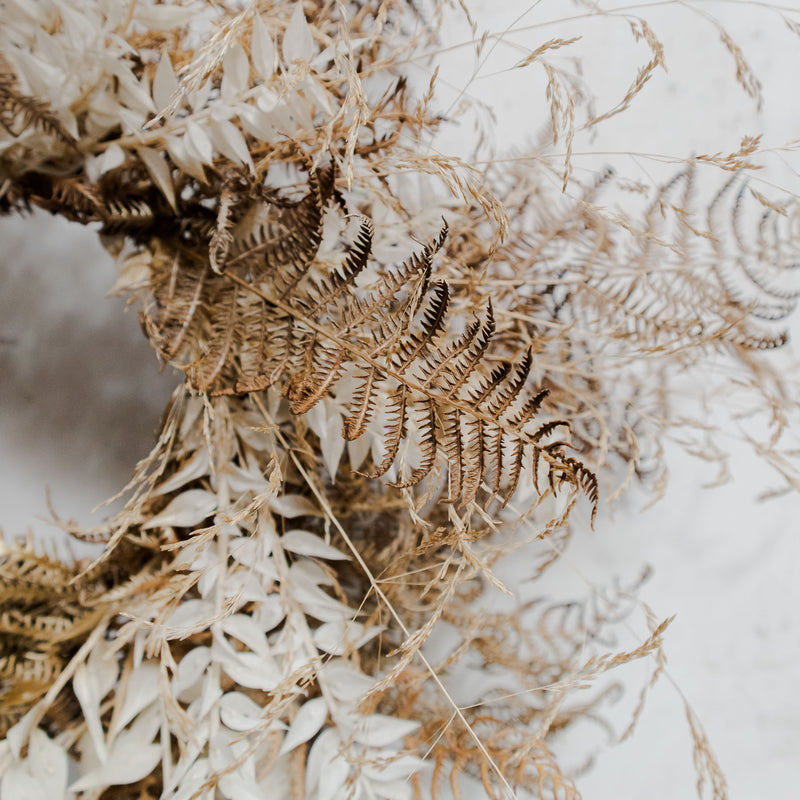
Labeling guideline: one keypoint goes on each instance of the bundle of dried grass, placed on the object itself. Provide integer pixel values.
(397, 372)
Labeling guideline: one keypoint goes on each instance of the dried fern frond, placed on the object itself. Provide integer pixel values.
(399, 369)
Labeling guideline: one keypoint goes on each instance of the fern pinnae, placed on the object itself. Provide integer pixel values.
(183, 299)
(518, 418)
(446, 382)
(307, 389)
(455, 372)
(222, 238)
(257, 332)
(32, 626)
(515, 459)
(505, 393)
(362, 405)
(452, 446)
(494, 458)
(438, 361)
(584, 478)
(414, 345)
(426, 441)
(19, 111)
(477, 394)
(472, 461)
(394, 431)
(329, 291)
(360, 311)
(211, 364)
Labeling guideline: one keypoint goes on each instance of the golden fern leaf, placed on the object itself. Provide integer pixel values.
(278, 316)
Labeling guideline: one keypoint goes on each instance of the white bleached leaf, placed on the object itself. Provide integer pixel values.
(298, 43)
(133, 273)
(340, 636)
(165, 84)
(269, 613)
(197, 143)
(262, 49)
(131, 121)
(257, 123)
(187, 509)
(196, 467)
(305, 543)
(399, 789)
(18, 784)
(228, 140)
(238, 712)
(358, 450)
(142, 689)
(379, 730)
(296, 111)
(326, 422)
(135, 94)
(253, 672)
(91, 683)
(183, 159)
(157, 166)
(191, 668)
(234, 785)
(242, 480)
(310, 573)
(207, 583)
(163, 17)
(317, 94)
(199, 97)
(48, 763)
(189, 615)
(326, 768)
(308, 721)
(247, 587)
(111, 158)
(293, 505)
(210, 692)
(266, 99)
(135, 763)
(132, 757)
(195, 777)
(235, 73)
(251, 551)
(247, 669)
(247, 631)
(312, 598)
(345, 683)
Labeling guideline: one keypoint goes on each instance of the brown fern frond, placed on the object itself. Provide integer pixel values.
(175, 315)
(394, 432)
(306, 389)
(329, 290)
(297, 324)
(221, 340)
(426, 442)
(362, 405)
(417, 344)
(18, 112)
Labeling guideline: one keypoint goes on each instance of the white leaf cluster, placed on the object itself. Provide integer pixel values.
(237, 706)
(74, 55)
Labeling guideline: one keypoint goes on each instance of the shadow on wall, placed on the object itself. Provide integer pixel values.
(80, 393)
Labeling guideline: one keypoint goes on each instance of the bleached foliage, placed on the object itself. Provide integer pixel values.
(392, 380)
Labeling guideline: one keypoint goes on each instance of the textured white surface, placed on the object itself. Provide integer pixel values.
(81, 396)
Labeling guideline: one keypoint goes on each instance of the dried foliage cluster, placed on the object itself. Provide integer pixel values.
(399, 369)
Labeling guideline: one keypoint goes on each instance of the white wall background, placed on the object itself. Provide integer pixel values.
(80, 397)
